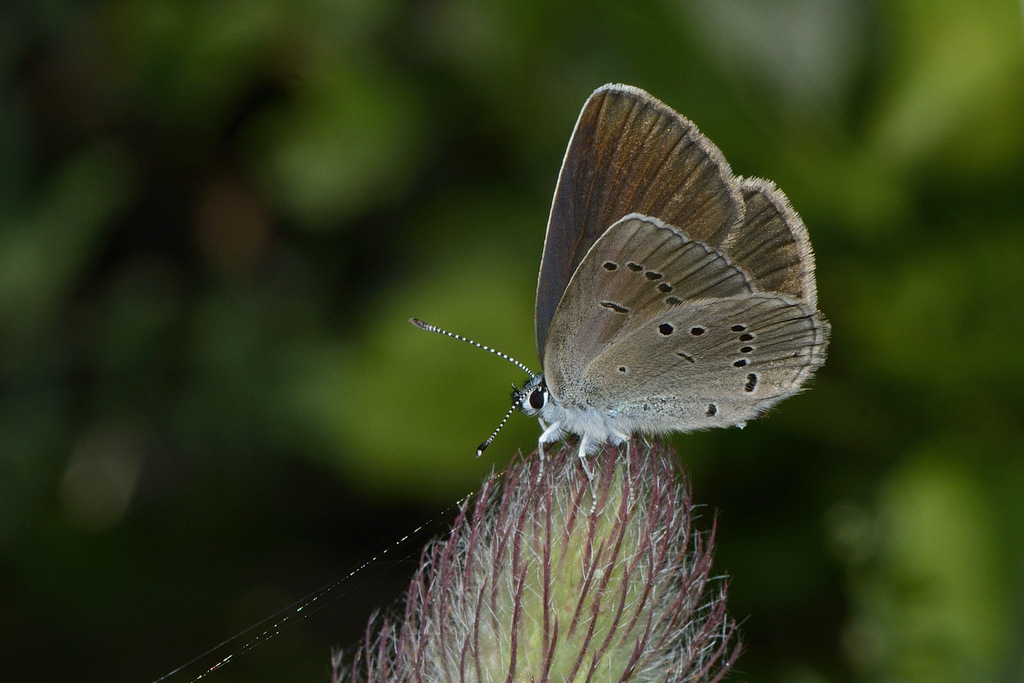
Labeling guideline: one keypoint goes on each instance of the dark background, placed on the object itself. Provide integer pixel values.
(216, 217)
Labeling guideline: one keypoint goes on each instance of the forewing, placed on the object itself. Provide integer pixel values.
(639, 267)
(630, 153)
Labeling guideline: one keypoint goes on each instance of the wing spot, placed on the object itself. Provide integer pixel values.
(651, 275)
(738, 328)
(615, 307)
(622, 369)
(665, 287)
(746, 337)
(746, 349)
(740, 363)
(635, 267)
(697, 331)
(673, 300)
(611, 265)
(751, 382)
(684, 356)
(712, 410)
(666, 329)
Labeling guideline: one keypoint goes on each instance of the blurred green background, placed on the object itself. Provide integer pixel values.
(216, 217)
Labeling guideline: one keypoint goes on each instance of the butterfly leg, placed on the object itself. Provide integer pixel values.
(584, 443)
(624, 439)
(548, 434)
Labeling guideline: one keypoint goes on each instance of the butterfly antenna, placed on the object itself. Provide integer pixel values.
(482, 447)
(434, 328)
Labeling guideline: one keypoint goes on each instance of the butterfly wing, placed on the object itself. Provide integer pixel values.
(706, 363)
(670, 334)
(637, 268)
(771, 243)
(630, 153)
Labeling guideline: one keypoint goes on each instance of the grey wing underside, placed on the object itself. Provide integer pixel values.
(638, 264)
(718, 362)
(650, 326)
(630, 153)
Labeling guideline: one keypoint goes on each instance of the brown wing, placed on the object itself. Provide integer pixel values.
(629, 153)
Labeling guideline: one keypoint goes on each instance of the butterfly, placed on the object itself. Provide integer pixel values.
(673, 295)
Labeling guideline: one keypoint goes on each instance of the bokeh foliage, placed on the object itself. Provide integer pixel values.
(215, 218)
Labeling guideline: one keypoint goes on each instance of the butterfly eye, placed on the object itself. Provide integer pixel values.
(537, 398)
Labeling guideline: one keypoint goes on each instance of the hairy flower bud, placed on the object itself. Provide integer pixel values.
(551, 576)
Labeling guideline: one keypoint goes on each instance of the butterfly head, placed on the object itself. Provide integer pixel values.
(533, 397)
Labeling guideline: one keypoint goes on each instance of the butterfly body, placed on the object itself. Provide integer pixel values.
(672, 295)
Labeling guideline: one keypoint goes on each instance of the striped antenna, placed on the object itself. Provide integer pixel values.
(434, 328)
(482, 447)
(515, 400)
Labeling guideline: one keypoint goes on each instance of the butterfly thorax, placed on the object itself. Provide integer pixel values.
(596, 427)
